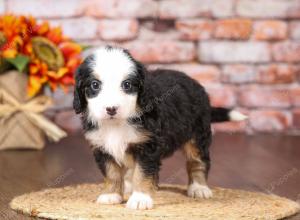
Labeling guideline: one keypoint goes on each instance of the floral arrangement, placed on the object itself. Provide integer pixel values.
(43, 52)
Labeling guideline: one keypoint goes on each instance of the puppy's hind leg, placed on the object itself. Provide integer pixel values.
(197, 168)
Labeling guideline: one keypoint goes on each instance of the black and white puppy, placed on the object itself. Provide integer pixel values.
(134, 118)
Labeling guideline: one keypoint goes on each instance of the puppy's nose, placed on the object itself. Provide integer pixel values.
(111, 110)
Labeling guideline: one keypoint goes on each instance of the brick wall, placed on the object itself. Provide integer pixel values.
(245, 52)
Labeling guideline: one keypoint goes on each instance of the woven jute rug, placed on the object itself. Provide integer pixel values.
(171, 202)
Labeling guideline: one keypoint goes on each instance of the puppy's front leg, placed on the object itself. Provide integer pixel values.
(128, 181)
(113, 183)
(143, 187)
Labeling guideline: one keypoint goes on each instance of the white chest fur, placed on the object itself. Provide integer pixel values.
(114, 137)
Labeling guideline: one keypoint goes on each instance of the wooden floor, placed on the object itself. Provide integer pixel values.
(265, 163)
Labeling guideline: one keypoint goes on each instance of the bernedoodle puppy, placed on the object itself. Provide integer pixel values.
(133, 118)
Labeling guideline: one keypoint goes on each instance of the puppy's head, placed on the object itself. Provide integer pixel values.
(108, 84)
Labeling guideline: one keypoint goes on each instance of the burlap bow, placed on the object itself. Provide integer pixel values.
(32, 110)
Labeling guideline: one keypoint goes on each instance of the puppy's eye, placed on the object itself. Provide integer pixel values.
(126, 85)
(95, 85)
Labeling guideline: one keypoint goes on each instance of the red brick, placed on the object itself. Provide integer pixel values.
(147, 34)
(68, 121)
(78, 28)
(158, 30)
(221, 95)
(121, 8)
(276, 73)
(296, 118)
(195, 29)
(161, 51)
(270, 30)
(286, 51)
(125, 29)
(46, 8)
(297, 70)
(268, 8)
(295, 30)
(194, 8)
(233, 29)
(269, 120)
(232, 52)
(295, 96)
(230, 127)
(256, 96)
(202, 73)
(294, 9)
(238, 73)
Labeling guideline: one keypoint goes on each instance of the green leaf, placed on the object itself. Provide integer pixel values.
(85, 47)
(19, 62)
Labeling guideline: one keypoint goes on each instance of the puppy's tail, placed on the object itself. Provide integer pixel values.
(224, 114)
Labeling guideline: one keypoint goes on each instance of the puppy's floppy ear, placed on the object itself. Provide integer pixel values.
(82, 74)
(79, 101)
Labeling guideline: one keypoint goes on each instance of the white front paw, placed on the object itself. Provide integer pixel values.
(139, 200)
(197, 190)
(111, 198)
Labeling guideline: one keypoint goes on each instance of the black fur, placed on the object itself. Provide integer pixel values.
(220, 114)
(101, 159)
(83, 76)
(175, 109)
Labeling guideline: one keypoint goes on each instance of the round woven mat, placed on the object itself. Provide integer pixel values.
(171, 202)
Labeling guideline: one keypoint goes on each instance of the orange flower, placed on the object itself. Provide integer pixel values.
(70, 49)
(59, 74)
(9, 53)
(28, 48)
(73, 63)
(16, 34)
(35, 84)
(55, 35)
(37, 67)
(41, 29)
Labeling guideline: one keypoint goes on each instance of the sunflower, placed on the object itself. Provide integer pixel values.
(39, 50)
